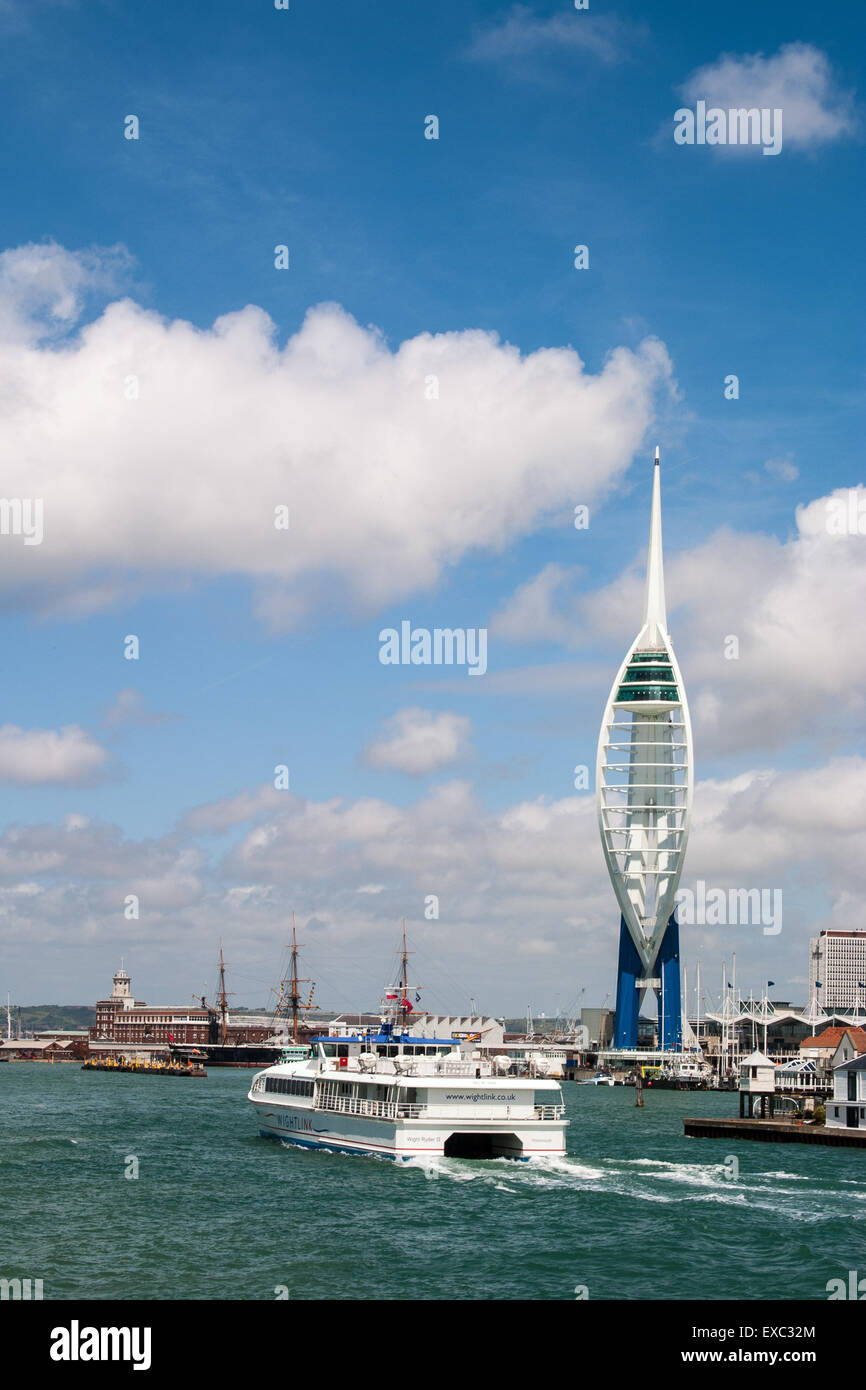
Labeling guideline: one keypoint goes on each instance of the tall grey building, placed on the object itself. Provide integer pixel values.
(837, 969)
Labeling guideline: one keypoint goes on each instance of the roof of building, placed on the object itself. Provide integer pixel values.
(394, 1039)
(858, 1064)
(757, 1059)
(831, 1037)
(139, 1010)
(832, 932)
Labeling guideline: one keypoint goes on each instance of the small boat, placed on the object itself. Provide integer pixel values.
(681, 1074)
(601, 1078)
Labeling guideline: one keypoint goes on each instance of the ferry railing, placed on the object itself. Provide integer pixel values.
(378, 1109)
(549, 1112)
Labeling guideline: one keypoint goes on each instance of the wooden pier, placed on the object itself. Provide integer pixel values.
(775, 1132)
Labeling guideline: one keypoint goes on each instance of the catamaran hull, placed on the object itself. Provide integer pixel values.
(410, 1139)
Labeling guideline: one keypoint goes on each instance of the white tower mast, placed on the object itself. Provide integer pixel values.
(644, 775)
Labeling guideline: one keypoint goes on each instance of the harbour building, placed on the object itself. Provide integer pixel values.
(644, 781)
(125, 1021)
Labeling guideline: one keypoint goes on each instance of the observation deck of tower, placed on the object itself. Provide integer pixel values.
(644, 781)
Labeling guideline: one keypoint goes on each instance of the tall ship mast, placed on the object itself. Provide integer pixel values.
(290, 1003)
(223, 998)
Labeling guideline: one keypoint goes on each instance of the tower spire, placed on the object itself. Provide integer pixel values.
(644, 780)
(655, 615)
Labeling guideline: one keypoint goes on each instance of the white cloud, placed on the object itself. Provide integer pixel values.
(216, 817)
(130, 707)
(534, 612)
(40, 757)
(795, 608)
(521, 33)
(520, 890)
(44, 287)
(783, 468)
(385, 488)
(798, 79)
(417, 741)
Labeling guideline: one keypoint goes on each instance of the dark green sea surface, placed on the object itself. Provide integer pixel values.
(634, 1210)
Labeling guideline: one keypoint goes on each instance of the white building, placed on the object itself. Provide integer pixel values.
(486, 1032)
(846, 1108)
(837, 969)
(757, 1082)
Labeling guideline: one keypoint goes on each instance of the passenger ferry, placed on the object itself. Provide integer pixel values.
(403, 1097)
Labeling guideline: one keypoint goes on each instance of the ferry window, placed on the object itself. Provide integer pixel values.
(343, 1050)
(329, 1049)
(392, 1051)
(382, 1051)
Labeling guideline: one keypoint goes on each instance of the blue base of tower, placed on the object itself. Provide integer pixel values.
(666, 968)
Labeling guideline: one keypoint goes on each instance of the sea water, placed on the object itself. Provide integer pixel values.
(149, 1187)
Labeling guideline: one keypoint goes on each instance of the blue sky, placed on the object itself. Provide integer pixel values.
(306, 128)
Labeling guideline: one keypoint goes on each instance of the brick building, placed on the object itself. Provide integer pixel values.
(123, 1020)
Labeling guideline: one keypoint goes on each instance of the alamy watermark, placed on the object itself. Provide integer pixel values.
(854, 1289)
(738, 907)
(737, 126)
(444, 646)
(17, 1289)
(846, 516)
(77, 1343)
(22, 516)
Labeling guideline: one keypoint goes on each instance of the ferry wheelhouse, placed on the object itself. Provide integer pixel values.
(402, 1097)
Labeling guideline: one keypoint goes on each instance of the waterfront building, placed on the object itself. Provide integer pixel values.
(599, 1024)
(74, 1040)
(644, 783)
(488, 1032)
(846, 1108)
(757, 1083)
(122, 1020)
(851, 1044)
(832, 1047)
(837, 970)
(36, 1049)
(798, 1076)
